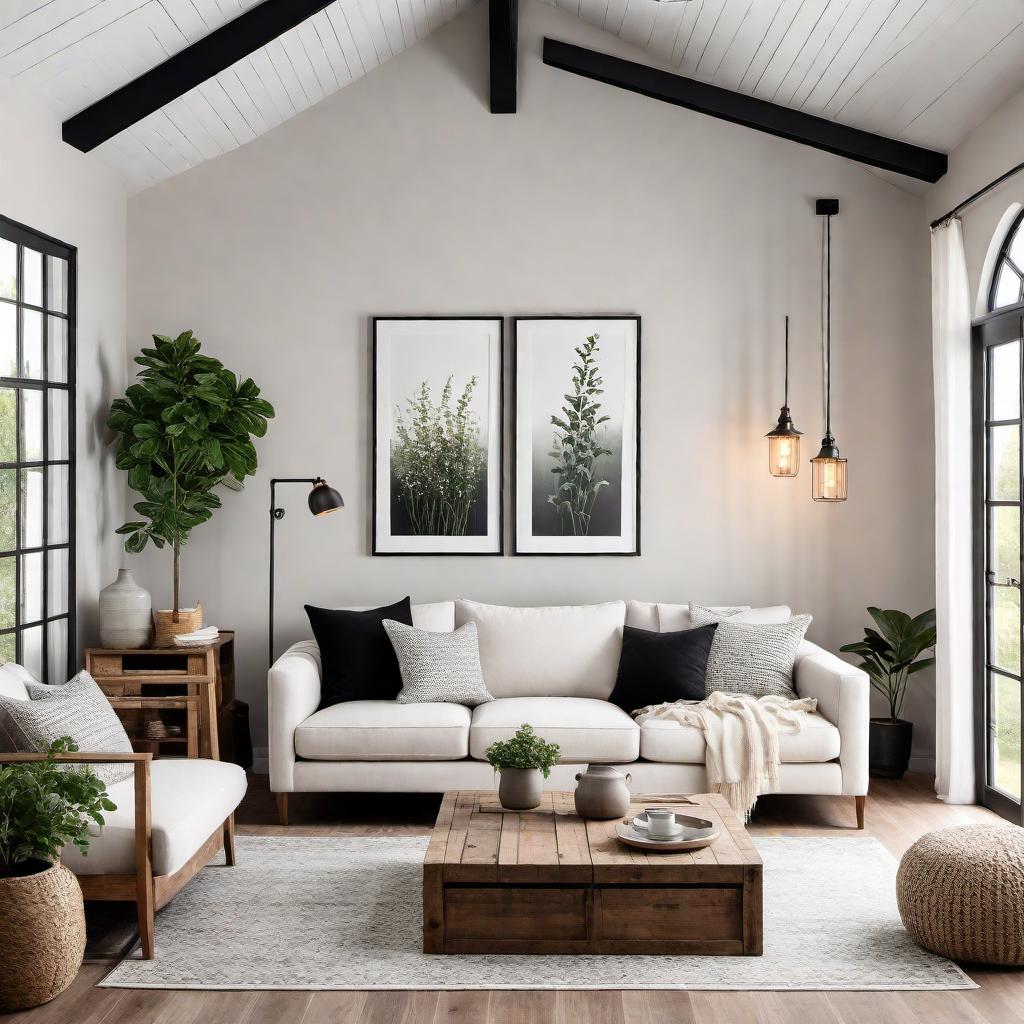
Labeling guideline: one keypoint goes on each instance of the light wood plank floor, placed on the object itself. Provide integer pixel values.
(897, 813)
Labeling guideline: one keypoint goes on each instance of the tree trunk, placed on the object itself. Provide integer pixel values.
(177, 558)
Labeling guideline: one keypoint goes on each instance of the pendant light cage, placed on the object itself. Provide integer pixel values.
(784, 439)
(828, 470)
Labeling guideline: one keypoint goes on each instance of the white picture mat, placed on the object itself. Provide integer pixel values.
(408, 352)
(616, 334)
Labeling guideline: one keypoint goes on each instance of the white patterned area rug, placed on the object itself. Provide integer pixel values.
(346, 913)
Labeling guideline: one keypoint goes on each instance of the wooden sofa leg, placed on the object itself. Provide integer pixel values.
(861, 800)
(282, 808)
(229, 840)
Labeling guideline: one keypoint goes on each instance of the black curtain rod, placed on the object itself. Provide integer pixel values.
(977, 195)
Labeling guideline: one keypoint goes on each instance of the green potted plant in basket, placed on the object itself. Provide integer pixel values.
(43, 806)
(184, 428)
(521, 761)
(890, 655)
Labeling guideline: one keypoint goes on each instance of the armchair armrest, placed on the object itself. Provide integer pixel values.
(843, 693)
(293, 694)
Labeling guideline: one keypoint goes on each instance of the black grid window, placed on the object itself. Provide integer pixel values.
(37, 449)
(1008, 279)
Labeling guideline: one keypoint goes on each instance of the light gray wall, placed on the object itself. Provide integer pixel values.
(992, 148)
(403, 194)
(56, 190)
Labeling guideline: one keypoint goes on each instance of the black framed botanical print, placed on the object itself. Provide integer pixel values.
(437, 435)
(576, 435)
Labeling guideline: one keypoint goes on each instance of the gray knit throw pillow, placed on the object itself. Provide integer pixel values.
(754, 658)
(77, 709)
(438, 667)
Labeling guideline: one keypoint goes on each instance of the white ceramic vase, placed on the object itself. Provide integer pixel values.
(126, 614)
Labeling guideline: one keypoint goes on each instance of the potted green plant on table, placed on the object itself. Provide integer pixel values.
(521, 761)
(184, 428)
(890, 655)
(43, 806)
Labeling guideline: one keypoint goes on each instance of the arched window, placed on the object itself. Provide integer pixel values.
(1008, 280)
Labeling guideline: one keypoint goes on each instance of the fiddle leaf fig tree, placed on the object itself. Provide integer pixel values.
(185, 426)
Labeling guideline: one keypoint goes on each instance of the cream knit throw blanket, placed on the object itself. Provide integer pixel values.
(742, 735)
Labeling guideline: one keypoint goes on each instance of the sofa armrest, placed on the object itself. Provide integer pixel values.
(293, 694)
(843, 693)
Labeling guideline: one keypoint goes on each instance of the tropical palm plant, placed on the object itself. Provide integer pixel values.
(576, 447)
(438, 461)
(889, 654)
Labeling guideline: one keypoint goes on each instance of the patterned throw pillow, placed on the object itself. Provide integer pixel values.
(754, 658)
(77, 709)
(438, 667)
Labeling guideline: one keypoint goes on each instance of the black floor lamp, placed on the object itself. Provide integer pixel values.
(322, 499)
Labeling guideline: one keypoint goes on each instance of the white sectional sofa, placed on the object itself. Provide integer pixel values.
(554, 668)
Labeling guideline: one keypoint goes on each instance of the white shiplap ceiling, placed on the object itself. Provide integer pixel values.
(926, 71)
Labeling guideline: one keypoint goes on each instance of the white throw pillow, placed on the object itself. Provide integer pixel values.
(673, 617)
(562, 651)
(438, 667)
(751, 657)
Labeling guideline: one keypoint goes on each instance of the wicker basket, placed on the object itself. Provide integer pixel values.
(165, 629)
(42, 936)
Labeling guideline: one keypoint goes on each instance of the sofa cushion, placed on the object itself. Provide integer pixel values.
(675, 743)
(568, 651)
(190, 798)
(384, 730)
(357, 659)
(585, 729)
(642, 615)
(12, 682)
(436, 617)
(677, 616)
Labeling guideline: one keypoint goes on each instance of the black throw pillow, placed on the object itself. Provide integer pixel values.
(356, 657)
(655, 668)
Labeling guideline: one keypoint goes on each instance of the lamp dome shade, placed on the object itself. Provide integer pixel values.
(324, 499)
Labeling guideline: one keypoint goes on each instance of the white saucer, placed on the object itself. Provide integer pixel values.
(691, 839)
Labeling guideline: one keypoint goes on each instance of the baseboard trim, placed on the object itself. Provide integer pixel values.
(260, 761)
(922, 763)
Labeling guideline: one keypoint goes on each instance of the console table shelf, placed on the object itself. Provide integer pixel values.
(190, 686)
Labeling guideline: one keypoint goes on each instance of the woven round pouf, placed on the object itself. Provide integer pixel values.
(961, 893)
(42, 936)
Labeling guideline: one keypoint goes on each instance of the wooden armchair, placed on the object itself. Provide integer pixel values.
(149, 853)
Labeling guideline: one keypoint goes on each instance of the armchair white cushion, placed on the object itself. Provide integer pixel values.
(189, 799)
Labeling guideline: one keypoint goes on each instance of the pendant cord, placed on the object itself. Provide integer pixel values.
(786, 402)
(828, 326)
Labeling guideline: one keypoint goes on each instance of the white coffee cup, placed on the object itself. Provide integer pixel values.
(661, 824)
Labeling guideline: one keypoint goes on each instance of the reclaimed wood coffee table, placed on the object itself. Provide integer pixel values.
(546, 881)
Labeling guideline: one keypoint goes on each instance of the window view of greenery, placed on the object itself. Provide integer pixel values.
(1005, 722)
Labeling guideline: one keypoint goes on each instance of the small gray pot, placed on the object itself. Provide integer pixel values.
(520, 788)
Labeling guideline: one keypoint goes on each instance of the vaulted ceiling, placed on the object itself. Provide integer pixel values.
(924, 71)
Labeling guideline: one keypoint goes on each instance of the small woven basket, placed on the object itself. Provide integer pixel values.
(165, 629)
(42, 936)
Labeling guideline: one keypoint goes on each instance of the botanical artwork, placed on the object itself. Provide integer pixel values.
(437, 444)
(576, 435)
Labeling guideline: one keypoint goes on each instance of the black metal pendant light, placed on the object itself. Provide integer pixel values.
(828, 470)
(784, 440)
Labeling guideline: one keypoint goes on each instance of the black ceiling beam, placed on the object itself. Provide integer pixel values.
(185, 70)
(867, 148)
(503, 25)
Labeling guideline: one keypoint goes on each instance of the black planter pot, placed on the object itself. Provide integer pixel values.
(889, 747)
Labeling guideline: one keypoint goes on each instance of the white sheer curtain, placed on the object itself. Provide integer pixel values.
(954, 666)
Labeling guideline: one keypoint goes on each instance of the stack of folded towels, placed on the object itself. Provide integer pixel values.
(200, 638)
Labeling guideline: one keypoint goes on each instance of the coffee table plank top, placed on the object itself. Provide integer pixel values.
(476, 841)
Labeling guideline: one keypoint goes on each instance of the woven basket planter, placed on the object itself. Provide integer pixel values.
(961, 893)
(165, 629)
(42, 936)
